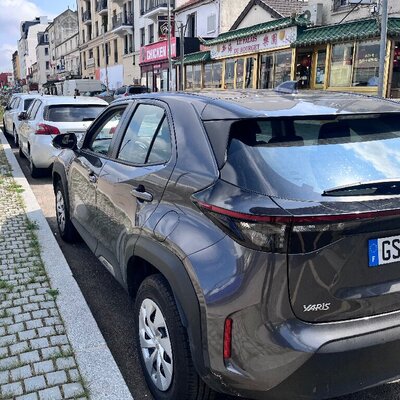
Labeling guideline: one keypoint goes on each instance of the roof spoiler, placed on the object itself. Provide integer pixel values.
(288, 87)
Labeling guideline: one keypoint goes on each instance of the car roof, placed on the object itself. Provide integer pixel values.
(52, 100)
(261, 103)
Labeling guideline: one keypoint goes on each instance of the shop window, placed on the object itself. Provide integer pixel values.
(396, 69)
(320, 70)
(239, 73)
(229, 74)
(355, 64)
(267, 72)
(366, 64)
(283, 67)
(197, 76)
(189, 77)
(213, 75)
(341, 65)
(249, 72)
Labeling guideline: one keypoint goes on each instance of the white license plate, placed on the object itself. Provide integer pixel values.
(384, 250)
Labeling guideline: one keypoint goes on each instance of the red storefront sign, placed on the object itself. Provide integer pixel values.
(155, 52)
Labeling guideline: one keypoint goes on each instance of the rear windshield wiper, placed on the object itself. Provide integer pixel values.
(380, 187)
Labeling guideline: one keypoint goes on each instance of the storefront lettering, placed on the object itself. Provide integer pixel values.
(254, 44)
(247, 49)
(246, 40)
(154, 54)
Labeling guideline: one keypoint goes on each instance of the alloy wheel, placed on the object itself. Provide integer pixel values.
(60, 210)
(155, 344)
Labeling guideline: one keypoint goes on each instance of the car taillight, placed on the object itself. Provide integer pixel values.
(126, 94)
(44, 129)
(260, 232)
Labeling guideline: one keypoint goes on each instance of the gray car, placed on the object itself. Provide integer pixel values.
(257, 231)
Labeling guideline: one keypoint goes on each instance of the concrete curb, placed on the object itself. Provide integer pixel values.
(92, 354)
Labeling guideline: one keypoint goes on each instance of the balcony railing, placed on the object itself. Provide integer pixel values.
(102, 7)
(128, 50)
(122, 19)
(87, 16)
(152, 5)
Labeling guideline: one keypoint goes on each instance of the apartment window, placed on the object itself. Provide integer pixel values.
(116, 51)
(191, 25)
(83, 36)
(89, 32)
(141, 37)
(97, 28)
(46, 51)
(47, 64)
(339, 3)
(126, 44)
(98, 56)
(151, 33)
(91, 53)
(211, 23)
(104, 23)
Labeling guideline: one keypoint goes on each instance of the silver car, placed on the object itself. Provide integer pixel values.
(49, 116)
(19, 102)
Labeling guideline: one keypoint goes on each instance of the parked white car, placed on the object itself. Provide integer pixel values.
(19, 102)
(49, 116)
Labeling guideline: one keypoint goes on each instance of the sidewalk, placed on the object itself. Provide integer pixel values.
(50, 345)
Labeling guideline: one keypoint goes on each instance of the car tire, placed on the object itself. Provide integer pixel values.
(64, 224)
(15, 137)
(20, 152)
(164, 350)
(35, 171)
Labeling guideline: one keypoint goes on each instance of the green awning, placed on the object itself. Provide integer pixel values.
(345, 32)
(195, 58)
(258, 29)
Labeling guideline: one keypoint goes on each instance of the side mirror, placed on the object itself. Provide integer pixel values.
(22, 116)
(66, 141)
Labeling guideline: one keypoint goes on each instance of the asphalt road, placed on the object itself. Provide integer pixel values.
(112, 308)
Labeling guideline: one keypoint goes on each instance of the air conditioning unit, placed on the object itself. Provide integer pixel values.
(314, 13)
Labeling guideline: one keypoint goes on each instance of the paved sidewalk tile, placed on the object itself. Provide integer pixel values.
(32, 335)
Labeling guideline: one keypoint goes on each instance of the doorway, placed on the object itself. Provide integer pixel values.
(303, 69)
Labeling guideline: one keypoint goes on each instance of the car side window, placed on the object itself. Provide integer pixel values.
(147, 138)
(14, 104)
(33, 109)
(101, 139)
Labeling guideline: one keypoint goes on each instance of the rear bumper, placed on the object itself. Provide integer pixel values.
(274, 354)
(341, 367)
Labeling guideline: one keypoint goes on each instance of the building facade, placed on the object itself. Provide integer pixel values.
(27, 44)
(106, 36)
(16, 68)
(43, 59)
(64, 46)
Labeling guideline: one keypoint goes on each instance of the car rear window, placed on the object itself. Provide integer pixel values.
(300, 158)
(27, 103)
(72, 113)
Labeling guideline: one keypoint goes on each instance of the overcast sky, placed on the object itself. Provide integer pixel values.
(12, 12)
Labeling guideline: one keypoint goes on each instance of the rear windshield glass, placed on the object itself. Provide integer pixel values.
(301, 158)
(72, 113)
(27, 103)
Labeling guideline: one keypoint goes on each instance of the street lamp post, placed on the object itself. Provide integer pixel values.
(382, 50)
(169, 47)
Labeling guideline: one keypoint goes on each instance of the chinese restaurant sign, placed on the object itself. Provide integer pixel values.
(255, 44)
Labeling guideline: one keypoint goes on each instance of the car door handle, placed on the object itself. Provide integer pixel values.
(92, 178)
(141, 194)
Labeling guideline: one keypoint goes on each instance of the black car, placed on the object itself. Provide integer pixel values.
(258, 231)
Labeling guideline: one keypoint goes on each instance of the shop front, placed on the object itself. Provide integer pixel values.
(346, 57)
(259, 56)
(154, 66)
